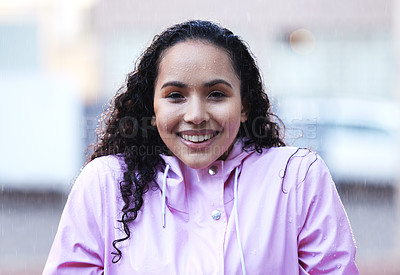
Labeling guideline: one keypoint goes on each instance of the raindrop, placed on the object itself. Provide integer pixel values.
(338, 266)
(290, 219)
(198, 177)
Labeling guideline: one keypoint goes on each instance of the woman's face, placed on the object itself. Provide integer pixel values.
(197, 102)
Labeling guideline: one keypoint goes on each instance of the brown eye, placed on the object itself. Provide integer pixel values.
(216, 95)
(175, 96)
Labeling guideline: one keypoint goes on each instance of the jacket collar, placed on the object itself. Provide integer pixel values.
(176, 193)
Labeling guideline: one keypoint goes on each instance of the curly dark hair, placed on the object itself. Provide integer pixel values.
(126, 125)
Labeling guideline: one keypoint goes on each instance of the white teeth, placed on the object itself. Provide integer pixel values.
(197, 138)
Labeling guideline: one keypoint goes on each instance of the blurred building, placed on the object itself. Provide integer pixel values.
(47, 70)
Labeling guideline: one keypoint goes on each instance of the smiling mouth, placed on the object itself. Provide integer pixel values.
(198, 138)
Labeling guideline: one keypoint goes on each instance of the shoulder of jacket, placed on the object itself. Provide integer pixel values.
(99, 172)
(290, 153)
(302, 164)
(281, 155)
(293, 164)
(106, 164)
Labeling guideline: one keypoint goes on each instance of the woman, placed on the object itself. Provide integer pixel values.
(190, 175)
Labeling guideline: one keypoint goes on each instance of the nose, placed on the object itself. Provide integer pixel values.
(196, 111)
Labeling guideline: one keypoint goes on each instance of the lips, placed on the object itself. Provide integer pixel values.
(197, 137)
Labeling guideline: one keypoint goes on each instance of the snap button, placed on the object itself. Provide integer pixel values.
(213, 170)
(216, 215)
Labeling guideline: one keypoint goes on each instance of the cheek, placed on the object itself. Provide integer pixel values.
(231, 125)
(230, 118)
(235, 120)
(165, 122)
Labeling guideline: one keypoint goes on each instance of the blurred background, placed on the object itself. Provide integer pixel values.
(331, 68)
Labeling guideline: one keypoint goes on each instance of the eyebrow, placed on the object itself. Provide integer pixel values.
(207, 84)
(175, 84)
(216, 82)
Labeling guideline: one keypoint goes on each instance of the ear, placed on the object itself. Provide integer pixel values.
(243, 115)
(153, 121)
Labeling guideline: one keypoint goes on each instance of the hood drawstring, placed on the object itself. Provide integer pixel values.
(235, 202)
(164, 187)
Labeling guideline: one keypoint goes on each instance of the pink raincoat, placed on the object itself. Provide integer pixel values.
(272, 213)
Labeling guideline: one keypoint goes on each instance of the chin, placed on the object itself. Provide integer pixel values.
(198, 164)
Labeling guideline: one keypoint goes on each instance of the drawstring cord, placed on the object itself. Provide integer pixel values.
(235, 202)
(164, 185)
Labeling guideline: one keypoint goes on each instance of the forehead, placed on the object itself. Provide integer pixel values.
(196, 54)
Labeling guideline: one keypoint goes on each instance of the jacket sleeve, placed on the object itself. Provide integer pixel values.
(325, 241)
(78, 247)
